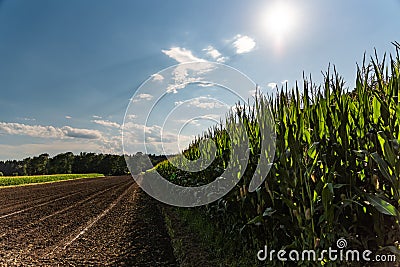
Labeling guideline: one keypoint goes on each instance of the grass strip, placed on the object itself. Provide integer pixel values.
(197, 242)
(22, 180)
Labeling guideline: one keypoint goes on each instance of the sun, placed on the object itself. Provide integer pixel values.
(280, 19)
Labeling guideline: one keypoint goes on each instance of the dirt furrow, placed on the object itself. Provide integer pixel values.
(15, 198)
(34, 244)
(97, 222)
(12, 222)
(32, 226)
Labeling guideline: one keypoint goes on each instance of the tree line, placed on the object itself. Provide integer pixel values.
(65, 163)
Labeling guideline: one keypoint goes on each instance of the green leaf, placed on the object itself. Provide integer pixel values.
(257, 219)
(327, 195)
(386, 148)
(269, 212)
(330, 186)
(384, 169)
(315, 196)
(376, 107)
(383, 206)
(312, 151)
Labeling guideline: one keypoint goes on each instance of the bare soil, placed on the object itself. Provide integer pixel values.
(89, 222)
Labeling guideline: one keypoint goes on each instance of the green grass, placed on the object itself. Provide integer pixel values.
(21, 180)
(221, 251)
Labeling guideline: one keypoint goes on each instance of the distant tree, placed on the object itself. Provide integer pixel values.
(62, 163)
(108, 164)
(139, 163)
(80, 164)
(86, 163)
(28, 170)
(156, 159)
(39, 164)
(121, 166)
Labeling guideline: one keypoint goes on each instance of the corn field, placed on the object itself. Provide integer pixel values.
(335, 170)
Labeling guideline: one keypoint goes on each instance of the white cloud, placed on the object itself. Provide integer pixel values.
(196, 121)
(139, 97)
(153, 133)
(107, 123)
(30, 130)
(47, 131)
(203, 103)
(272, 85)
(153, 139)
(157, 77)
(111, 145)
(81, 133)
(53, 148)
(145, 96)
(96, 117)
(55, 140)
(189, 73)
(243, 44)
(214, 54)
(206, 84)
(130, 117)
(181, 55)
(222, 59)
(68, 117)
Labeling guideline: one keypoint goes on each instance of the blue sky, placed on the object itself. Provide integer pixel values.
(68, 69)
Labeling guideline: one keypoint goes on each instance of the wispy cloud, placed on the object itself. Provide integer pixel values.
(97, 117)
(215, 118)
(131, 117)
(47, 131)
(157, 77)
(243, 44)
(68, 117)
(203, 103)
(26, 119)
(111, 144)
(214, 54)
(181, 55)
(107, 123)
(154, 138)
(154, 133)
(206, 84)
(139, 97)
(187, 74)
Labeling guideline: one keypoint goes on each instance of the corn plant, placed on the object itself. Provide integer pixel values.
(335, 172)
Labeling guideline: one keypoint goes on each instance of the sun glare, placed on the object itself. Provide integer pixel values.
(280, 20)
